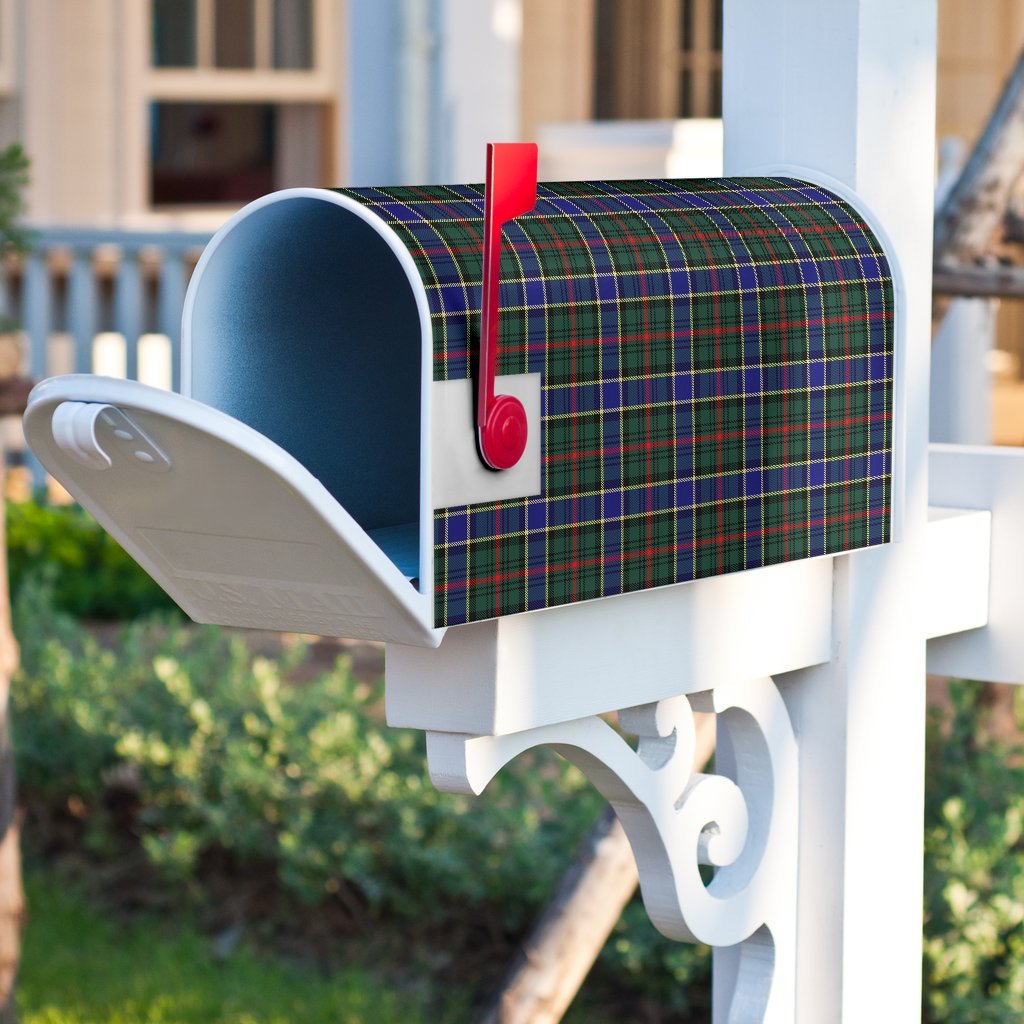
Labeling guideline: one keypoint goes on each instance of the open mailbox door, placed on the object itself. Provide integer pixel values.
(236, 530)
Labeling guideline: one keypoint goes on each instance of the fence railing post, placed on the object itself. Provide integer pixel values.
(170, 299)
(82, 308)
(84, 292)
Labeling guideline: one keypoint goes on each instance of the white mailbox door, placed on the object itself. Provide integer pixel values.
(229, 524)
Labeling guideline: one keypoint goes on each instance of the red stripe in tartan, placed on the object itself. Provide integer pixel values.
(653, 552)
(784, 429)
(595, 244)
(574, 343)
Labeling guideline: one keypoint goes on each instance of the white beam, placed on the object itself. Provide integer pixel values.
(961, 382)
(993, 479)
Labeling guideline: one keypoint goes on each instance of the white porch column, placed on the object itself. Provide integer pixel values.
(848, 88)
(961, 381)
(479, 69)
(374, 50)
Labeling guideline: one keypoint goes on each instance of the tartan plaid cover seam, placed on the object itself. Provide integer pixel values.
(716, 360)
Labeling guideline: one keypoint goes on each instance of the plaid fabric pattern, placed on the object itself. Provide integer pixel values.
(717, 360)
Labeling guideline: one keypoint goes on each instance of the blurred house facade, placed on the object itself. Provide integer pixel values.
(172, 113)
(149, 122)
(168, 113)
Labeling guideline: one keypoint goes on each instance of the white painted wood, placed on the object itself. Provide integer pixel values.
(848, 89)
(676, 820)
(585, 150)
(228, 523)
(523, 671)
(960, 409)
(986, 478)
(478, 60)
(956, 586)
(952, 154)
(85, 83)
(562, 946)
(459, 475)
(415, 56)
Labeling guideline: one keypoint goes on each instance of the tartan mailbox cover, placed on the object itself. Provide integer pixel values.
(706, 364)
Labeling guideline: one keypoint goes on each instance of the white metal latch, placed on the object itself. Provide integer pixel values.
(81, 428)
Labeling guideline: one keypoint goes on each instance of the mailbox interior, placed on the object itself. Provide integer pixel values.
(301, 321)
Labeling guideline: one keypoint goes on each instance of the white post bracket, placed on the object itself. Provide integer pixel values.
(678, 820)
(513, 687)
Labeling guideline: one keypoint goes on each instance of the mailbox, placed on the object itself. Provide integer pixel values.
(704, 369)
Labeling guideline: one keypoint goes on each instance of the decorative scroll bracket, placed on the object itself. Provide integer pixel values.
(743, 822)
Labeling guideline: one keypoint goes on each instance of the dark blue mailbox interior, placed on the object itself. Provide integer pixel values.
(304, 326)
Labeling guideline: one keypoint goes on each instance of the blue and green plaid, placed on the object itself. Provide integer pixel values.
(716, 360)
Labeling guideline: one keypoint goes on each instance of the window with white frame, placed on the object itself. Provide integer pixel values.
(239, 34)
(241, 94)
(658, 58)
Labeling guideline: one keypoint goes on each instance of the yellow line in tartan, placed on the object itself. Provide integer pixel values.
(670, 294)
(744, 395)
(447, 546)
(828, 210)
(688, 261)
(677, 409)
(598, 215)
(436, 285)
(672, 481)
(672, 374)
(600, 372)
(523, 501)
(695, 507)
(802, 288)
(601, 463)
(556, 417)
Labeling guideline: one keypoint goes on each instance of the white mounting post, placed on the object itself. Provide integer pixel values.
(822, 855)
(849, 88)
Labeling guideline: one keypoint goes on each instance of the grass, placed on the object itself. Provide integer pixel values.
(79, 968)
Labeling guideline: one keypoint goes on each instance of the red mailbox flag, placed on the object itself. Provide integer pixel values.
(511, 191)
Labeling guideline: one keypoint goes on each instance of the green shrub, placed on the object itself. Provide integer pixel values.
(226, 755)
(91, 575)
(974, 869)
